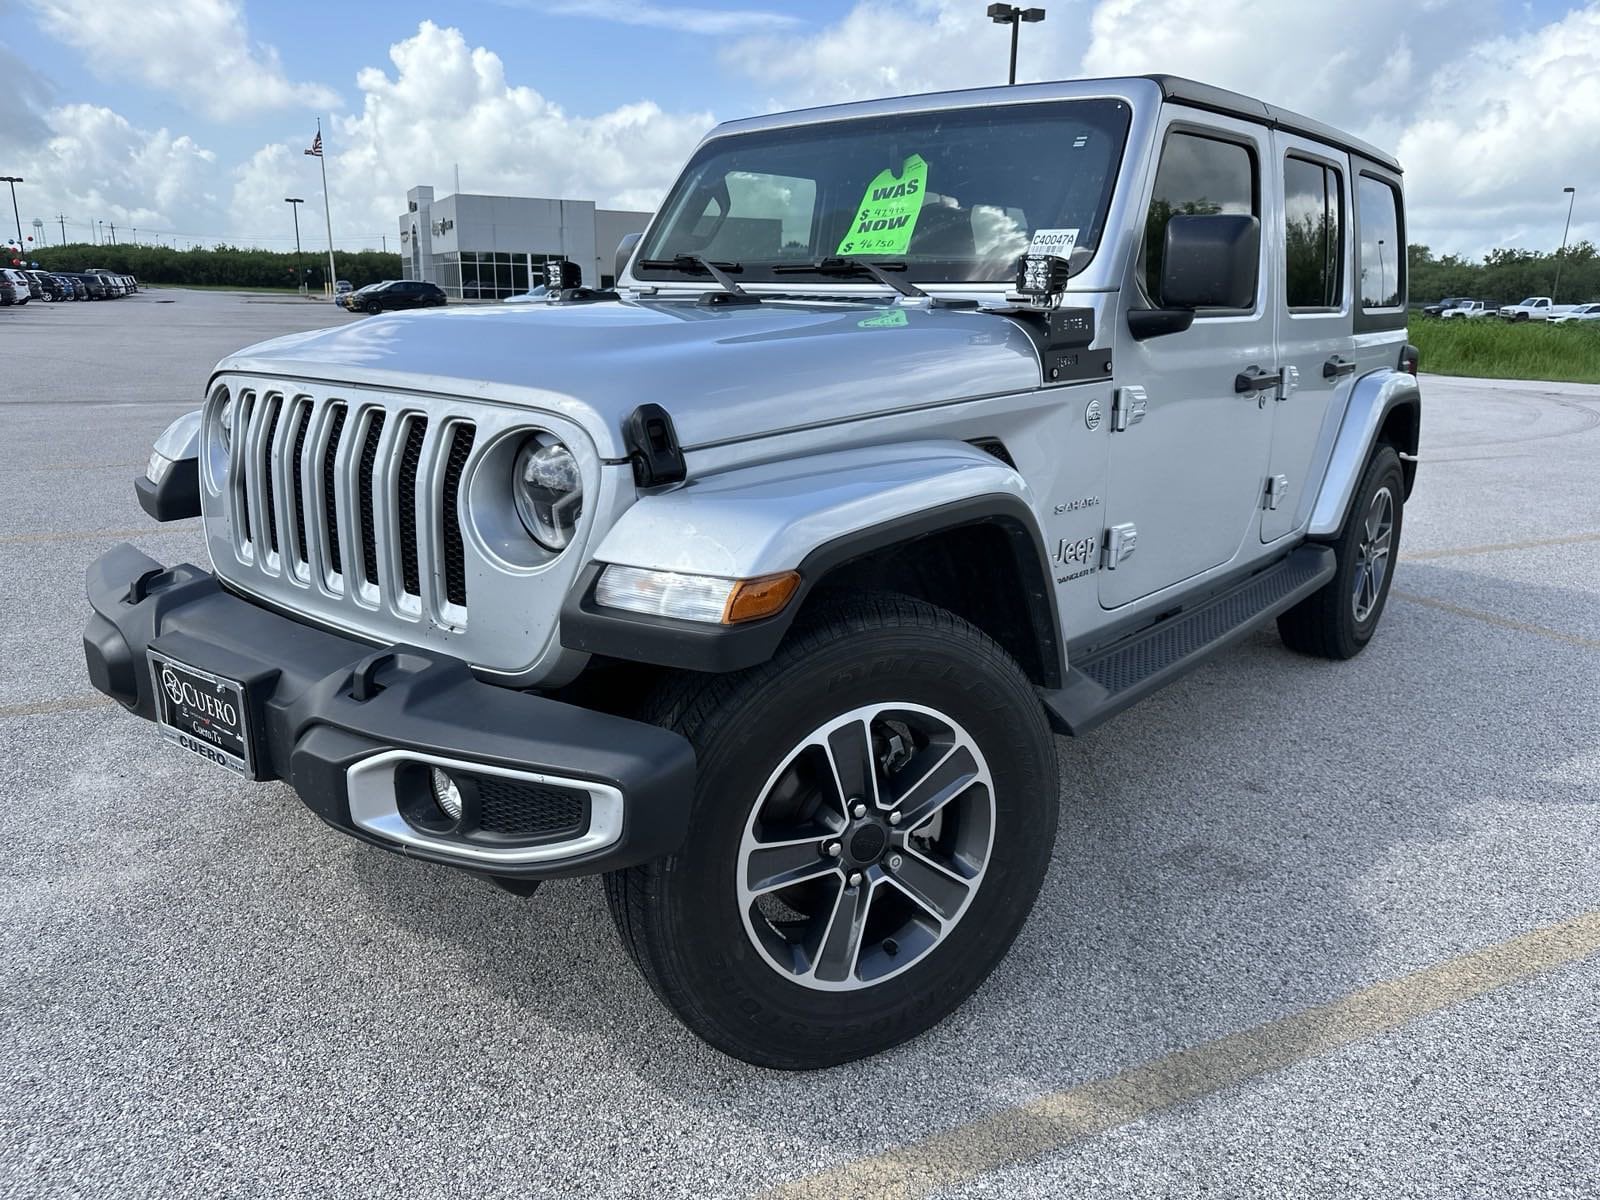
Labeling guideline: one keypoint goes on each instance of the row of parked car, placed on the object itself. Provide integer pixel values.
(1534, 308)
(19, 285)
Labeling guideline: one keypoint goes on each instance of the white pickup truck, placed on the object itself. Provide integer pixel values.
(1535, 308)
(1466, 308)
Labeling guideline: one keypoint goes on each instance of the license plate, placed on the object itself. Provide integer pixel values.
(203, 713)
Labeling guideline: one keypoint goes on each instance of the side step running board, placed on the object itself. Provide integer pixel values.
(1108, 680)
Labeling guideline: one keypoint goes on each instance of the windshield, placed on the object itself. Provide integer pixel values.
(1530, 302)
(956, 195)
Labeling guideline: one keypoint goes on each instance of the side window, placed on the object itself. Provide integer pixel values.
(1313, 209)
(1383, 254)
(1198, 175)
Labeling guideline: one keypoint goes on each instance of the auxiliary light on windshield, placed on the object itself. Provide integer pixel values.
(1041, 276)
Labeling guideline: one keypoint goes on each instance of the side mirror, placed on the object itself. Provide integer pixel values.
(625, 252)
(1211, 261)
(1208, 261)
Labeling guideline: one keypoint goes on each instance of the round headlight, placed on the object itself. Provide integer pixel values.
(548, 490)
(225, 424)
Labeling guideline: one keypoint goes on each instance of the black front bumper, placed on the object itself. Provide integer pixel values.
(320, 703)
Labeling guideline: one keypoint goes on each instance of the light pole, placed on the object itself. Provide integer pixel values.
(1555, 292)
(294, 203)
(1010, 14)
(13, 180)
(1383, 277)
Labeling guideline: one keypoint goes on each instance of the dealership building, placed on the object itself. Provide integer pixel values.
(489, 247)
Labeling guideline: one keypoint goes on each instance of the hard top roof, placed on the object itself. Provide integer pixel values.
(1220, 100)
(1173, 88)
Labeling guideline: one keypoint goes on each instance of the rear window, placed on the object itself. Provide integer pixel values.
(1313, 206)
(1383, 254)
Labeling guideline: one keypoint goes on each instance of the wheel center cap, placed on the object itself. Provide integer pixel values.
(867, 842)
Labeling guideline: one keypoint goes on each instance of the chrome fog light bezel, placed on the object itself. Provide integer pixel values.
(376, 788)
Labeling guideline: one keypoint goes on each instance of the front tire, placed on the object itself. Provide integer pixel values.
(874, 813)
(1338, 620)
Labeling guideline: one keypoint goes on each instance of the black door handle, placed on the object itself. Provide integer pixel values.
(1254, 379)
(1337, 366)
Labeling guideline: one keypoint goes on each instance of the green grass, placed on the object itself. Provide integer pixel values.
(1489, 348)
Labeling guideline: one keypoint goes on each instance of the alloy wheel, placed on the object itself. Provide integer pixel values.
(866, 846)
(1372, 554)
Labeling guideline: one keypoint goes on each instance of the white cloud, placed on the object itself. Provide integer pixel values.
(710, 22)
(198, 50)
(899, 47)
(1509, 125)
(1485, 124)
(447, 103)
(94, 165)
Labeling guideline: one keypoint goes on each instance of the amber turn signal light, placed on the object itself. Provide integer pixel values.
(752, 599)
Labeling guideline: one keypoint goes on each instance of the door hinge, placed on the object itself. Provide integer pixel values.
(1127, 407)
(1121, 541)
(1277, 489)
(1291, 382)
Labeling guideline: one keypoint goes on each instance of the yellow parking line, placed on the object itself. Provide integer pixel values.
(1016, 1135)
(90, 535)
(1570, 539)
(40, 708)
(1571, 639)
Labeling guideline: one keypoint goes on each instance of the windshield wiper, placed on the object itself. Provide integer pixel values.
(847, 267)
(696, 264)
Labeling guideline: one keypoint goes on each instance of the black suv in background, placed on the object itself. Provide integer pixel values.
(396, 293)
(96, 286)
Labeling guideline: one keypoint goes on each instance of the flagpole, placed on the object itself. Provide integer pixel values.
(327, 205)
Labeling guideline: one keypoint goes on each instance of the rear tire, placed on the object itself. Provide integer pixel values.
(866, 700)
(1339, 619)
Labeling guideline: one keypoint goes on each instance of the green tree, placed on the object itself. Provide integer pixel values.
(222, 265)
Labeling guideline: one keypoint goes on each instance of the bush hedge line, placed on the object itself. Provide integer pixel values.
(221, 266)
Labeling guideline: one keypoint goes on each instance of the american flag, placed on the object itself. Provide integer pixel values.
(316, 146)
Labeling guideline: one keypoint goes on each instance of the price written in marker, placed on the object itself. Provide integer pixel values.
(887, 215)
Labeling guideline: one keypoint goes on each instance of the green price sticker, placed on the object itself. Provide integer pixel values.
(895, 318)
(887, 215)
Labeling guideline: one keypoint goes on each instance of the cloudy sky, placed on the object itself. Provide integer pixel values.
(186, 119)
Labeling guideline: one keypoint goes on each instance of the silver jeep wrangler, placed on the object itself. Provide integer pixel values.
(915, 431)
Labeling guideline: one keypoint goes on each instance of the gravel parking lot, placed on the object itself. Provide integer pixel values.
(1283, 949)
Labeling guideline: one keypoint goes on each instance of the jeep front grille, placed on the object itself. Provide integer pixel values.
(386, 483)
(389, 515)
